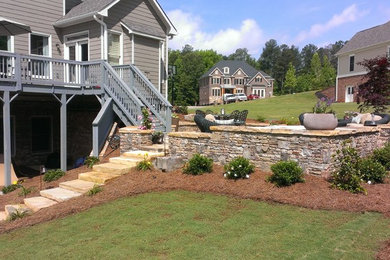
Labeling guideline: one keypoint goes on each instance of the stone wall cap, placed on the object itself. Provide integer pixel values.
(187, 123)
(192, 135)
(134, 130)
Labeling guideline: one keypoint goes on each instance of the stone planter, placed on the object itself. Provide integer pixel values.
(313, 121)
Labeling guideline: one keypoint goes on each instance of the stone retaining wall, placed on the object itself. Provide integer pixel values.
(313, 150)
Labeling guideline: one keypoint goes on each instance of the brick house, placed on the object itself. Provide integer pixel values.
(231, 76)
(366, 44)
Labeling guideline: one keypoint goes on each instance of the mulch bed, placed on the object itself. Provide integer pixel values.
(315, 193)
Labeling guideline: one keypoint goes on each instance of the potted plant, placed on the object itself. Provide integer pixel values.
(322, 118)
(175, 119)
(157, 137)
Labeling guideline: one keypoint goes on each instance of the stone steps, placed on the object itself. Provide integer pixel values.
(112, 168)
(101, 174)
(78, 185)
(37, 203)
(158, 148)
(130, 162)
(143, 154)
(59, 194)
(98, 177)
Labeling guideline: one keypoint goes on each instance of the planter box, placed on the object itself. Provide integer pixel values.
(313, 121)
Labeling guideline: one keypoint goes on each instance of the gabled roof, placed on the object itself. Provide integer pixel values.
(372, 36)
(88, 8)
(233, 66)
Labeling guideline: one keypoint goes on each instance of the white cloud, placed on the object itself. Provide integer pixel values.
(249, 35)
(350, 14)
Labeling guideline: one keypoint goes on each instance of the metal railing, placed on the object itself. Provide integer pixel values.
(147, 93)
(18, 70)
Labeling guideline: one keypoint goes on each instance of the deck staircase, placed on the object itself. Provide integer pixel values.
(100, 175)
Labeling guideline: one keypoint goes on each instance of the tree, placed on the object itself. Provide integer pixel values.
(328, 73)
(316, 72)
(291, 79)
(306, 56)
(269, 56)
(287, 55)
(243, 55)
(375, 91)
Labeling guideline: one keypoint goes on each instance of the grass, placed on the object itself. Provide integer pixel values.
(286, 106)
(185, 225)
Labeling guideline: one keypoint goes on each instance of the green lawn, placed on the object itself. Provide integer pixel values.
(286, 106)
(185, 225)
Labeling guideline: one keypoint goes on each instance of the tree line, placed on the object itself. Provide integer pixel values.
(294, 70)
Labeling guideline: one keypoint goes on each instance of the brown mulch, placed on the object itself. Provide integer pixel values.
(315, 193)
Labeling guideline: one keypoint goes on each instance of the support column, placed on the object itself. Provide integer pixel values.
(7, 138)
(63, 127)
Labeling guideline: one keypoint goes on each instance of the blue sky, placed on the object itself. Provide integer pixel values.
(227, 25)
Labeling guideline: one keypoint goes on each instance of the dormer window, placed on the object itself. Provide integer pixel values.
(226, 70)
(258, 79)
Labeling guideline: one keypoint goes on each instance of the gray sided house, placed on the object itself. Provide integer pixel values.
(231, 76)
(366, 44)
(79, 66)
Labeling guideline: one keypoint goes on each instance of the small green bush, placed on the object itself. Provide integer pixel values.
(286, 173)
(95, 190)
(382, 155)
(10, 188)
(238, 168)
(17, 215)
(372, 171)
(347, 172)
(198, 164)
(53, 175)
(144, 165)
(289, 121)
(181, 110)
(261, 119)
(90, 161)
(25, 191)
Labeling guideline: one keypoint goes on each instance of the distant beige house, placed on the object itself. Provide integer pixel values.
(231, 76)
(366, 44)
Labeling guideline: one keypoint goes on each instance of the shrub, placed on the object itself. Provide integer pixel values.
(382, 155)
(198, 164)
(261, 119)
(90, 161)
(239, 168)
(17, 214)
(181, 110)
(286, 173)
(289, 121)
(145, 164)
(347, 172)
(53, 175)
(10, 188)
(372, 171)
(95, 190)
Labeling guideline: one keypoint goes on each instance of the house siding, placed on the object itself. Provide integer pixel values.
(40, 22)
(146, 57)
(94, 31)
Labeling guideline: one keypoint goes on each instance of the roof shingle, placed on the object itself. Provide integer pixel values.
(368, 37)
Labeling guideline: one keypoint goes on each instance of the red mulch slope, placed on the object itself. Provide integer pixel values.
(315, 193)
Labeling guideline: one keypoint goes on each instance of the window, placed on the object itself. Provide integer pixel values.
(351, 63)
(114, 48)
(239, 90)
(216, 81)
(259, 92)
(39, 45)
(226, 81)
(226, 70)
(238, 81)
(5, 43)
(258, 79)
(216, 92)
(41, 136)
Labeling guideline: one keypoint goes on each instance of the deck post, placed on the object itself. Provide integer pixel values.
(7, 137)
(63, 127)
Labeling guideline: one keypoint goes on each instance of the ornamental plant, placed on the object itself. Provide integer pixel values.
(372, 171)
(198, 164)
(10, 188)
(238, 168)
(382, 155)
(375, 91)
(346, 175)
(90, 161)
(147, 120)
(53, 175)
(323, 106)
(286, 173)
(145, 164)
